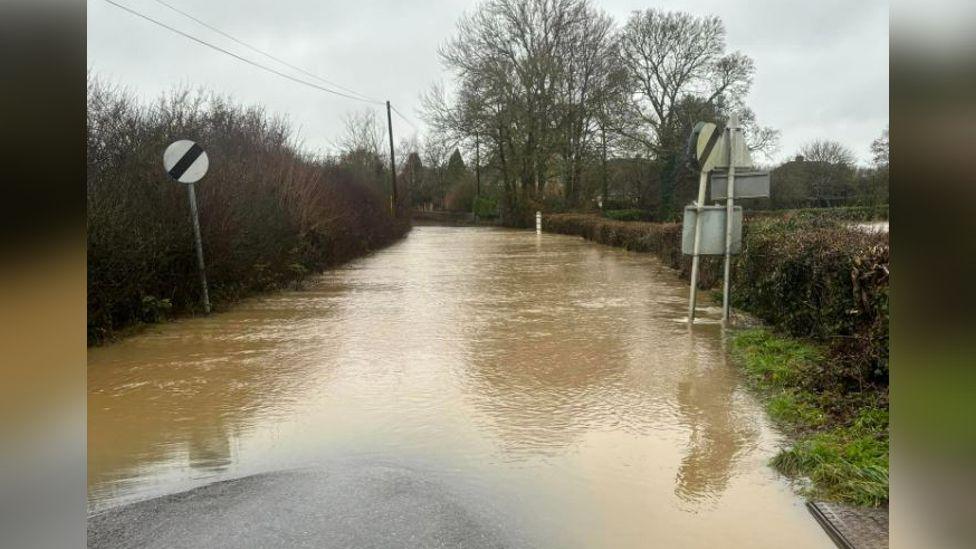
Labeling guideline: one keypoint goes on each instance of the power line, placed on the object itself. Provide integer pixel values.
(361, 97)
(264, 53)
(405, 119)
(234, 55)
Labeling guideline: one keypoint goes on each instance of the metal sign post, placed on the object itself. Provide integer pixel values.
(712, 148)
(704, 139)
(730, 197)
(696, 247)
(186, 162)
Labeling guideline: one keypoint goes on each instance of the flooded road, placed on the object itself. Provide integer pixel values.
(548, 380)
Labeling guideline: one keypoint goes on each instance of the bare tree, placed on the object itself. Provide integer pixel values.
(671, 56)
(508, 55)
(680, 71)
(593, 83)
(828, 152)
(436, 150)
(407, 146)
(360, 149)
(829, 170)
(531, 75)
(549, 89)
(434, 155)
(760, 139)
(362, 132)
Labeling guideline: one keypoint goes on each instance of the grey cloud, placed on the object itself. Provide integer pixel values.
(822, 66)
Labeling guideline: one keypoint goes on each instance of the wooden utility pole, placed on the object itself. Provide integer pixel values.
(477, 164)
(389, 125)
(603, 134)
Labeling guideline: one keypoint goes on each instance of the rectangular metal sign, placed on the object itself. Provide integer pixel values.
(740, 153)
(713, 230)
(748, 184)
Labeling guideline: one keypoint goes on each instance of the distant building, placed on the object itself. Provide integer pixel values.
(802, 183)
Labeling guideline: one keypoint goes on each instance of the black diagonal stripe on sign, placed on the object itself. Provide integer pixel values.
(712, 140)
(189, 157)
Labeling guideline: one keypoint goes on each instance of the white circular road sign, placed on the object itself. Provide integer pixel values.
(185, 161)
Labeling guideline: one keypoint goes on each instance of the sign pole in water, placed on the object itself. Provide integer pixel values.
(704, 140)
(538, 222)
(186, 162)
(730, 193)
(718, 152)
(696, 249)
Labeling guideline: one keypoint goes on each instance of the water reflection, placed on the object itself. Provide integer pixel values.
(719, 432)
(209, 448)
(183, 393)
(547, 364)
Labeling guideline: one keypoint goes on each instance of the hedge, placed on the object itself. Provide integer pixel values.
(862, 214)
(629, 214)
(822, 281)
(810, 277)
(269, 215)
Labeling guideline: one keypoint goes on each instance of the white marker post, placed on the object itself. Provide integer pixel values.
(186, 162)
(538, 222)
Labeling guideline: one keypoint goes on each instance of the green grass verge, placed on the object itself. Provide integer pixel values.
(845, 458)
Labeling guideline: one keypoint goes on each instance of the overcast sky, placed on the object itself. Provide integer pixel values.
(822, 66)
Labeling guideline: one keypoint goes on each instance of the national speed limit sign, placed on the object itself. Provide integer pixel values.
(185, 161)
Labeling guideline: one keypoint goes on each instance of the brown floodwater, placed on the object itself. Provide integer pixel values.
(550, 375)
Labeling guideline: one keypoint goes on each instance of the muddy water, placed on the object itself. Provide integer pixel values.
(548, 378)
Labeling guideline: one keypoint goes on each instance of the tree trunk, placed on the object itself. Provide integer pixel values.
(603, 159)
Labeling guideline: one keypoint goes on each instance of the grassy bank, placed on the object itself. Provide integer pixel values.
(823, 287)
(269, 214)
(840, 440)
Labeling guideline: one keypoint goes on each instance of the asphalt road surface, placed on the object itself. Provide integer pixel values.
(370, 506)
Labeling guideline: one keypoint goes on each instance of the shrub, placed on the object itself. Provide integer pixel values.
(848, 213)
(821, 281)
(460, 197)
(631, 214)
(268, 214)
(485, 207)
